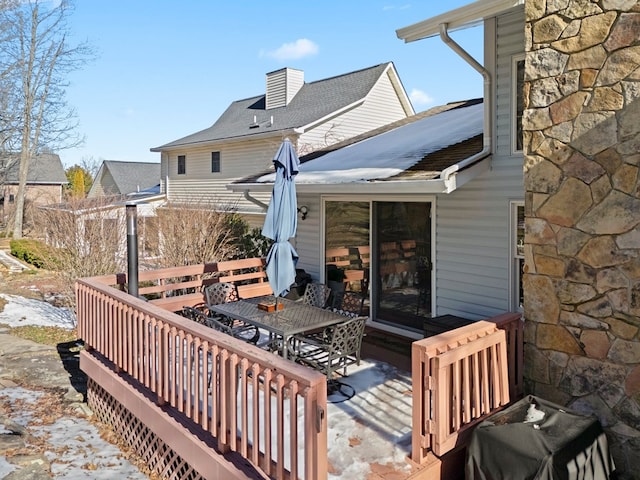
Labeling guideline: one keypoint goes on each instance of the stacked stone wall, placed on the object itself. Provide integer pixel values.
(582, 202)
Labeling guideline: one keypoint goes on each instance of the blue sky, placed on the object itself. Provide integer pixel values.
(165, 69)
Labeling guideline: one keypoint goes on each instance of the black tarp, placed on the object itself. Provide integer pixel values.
(557, 444)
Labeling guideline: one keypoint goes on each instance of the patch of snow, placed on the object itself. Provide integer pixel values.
(5, 467)
(20, 311)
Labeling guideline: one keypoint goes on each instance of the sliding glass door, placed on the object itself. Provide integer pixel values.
(402, 265)
(382, 249)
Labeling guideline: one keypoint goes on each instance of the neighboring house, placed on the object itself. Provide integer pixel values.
(45, 181)
(245, 138)
(123, 178)
(103, 220)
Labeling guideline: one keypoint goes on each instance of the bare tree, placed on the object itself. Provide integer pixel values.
(35, 49)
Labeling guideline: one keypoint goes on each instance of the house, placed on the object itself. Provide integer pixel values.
(431, 211)
(561, 161)
(247, 135)
(375, 201)
(123, 178)
(570, 273)
(45, 181)
(575, 89)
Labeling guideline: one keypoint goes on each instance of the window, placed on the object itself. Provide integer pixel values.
(517, 254)
(215, 162)
(182, 164)
(517, 75)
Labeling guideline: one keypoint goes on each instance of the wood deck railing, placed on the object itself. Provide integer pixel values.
(460, 377)
(277, 409)
(269, 410)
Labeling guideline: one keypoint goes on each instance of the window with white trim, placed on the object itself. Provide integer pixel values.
(517, 103)
(182, 164)
(517, 254)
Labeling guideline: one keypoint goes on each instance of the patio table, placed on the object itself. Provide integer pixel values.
(295, 317)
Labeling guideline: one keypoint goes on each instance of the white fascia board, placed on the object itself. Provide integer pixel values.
(462, 17)
(326, 118)
(222, 141)
(433, 186)
(406, 186)
(401, 92)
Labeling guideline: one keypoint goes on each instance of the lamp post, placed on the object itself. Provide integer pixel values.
(132, 248)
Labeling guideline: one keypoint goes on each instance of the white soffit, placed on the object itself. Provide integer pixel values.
(462, 17)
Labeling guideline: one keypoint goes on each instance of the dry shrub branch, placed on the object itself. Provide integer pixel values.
(88, 238)
(197, 232)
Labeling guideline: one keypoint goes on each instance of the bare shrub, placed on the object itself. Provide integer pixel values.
(88, 238)
(197, 232)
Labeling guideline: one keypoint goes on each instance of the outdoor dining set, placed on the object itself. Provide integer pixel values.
(318, 331)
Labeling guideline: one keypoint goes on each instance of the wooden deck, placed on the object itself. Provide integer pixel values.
(208, 403)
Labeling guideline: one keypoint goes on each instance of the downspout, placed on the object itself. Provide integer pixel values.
(255, 201)
(448, 174)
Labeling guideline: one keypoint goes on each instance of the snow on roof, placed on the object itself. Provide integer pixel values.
(392, 152)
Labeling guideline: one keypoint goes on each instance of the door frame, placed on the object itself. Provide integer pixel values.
(383, 198)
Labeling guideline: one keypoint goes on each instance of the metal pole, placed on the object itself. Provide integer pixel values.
(132, 248)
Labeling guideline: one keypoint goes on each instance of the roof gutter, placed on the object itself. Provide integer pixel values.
(448, 174)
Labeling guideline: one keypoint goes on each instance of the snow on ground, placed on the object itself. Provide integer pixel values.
(20, 311)
(74, 448)
(371, 427)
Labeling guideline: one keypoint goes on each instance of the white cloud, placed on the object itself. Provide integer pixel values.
(418, 97)
(301, 48)
(397, 7)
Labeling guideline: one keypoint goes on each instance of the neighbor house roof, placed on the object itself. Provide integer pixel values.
(45, 168)
(128, 177)
(462, 17)
(313, 102)
(417, 149)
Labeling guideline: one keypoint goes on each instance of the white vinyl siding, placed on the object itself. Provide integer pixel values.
(473, 254)
(381, 107)
(240, 160)
(307, 241)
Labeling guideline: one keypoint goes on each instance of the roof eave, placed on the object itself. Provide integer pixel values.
(463, 17)
(413, 187)
(221, 141)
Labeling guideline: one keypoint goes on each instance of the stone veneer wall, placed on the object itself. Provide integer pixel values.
(582, 207)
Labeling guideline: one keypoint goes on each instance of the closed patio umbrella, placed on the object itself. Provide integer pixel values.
(281, 221)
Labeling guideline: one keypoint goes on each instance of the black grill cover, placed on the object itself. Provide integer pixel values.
(561, 445)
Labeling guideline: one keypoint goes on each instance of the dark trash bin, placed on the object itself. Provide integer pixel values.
(302, 280)
(536, 439)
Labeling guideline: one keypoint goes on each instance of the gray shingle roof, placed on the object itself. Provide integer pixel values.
(420, 147)
(44, 168)
(131, 177)
(314, 101)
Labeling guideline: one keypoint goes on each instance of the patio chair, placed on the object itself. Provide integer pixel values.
(339, 348)
(348, 303)
(224, 292)
(316, 294)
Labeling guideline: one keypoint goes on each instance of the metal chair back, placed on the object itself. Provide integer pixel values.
(225, 292)
(349, 303)
(316, 294)
(340, 348)
(222, 292)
